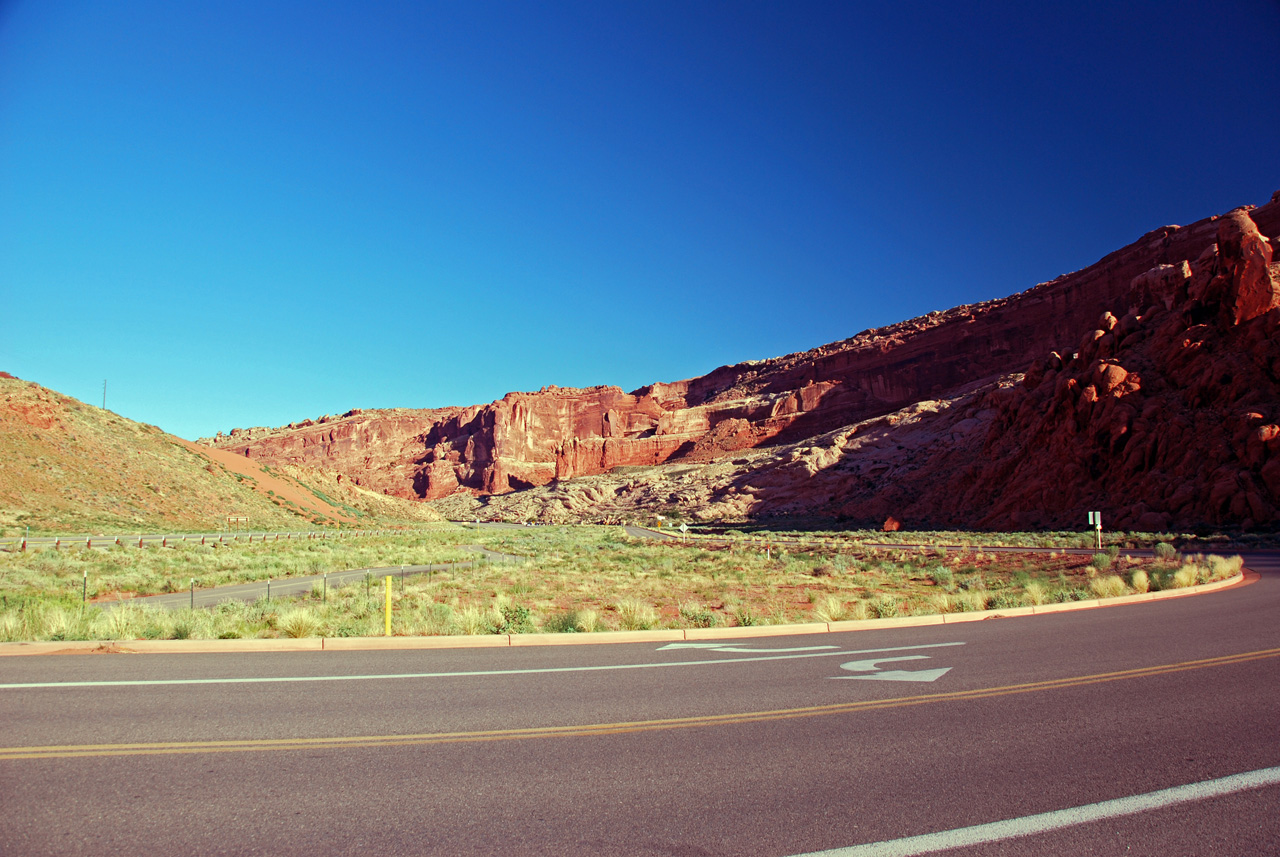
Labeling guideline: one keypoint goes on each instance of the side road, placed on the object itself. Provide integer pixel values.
(498, 640)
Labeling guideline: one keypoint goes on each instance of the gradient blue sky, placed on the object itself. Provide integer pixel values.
(250, 213)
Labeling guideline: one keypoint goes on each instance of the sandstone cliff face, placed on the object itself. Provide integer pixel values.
(1164, 414)
(1221, 266)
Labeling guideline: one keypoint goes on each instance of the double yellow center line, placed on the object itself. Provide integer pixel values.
(72, 751)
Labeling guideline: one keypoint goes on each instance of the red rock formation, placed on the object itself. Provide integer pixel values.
(1215, 270)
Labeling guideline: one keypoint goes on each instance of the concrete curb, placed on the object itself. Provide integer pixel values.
(351, 644)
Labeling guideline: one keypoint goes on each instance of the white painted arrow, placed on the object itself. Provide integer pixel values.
(869, 665)
(720, 647)
(902, 675)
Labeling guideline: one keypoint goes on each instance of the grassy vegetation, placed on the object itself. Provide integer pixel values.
(575, 580)
(126, 571)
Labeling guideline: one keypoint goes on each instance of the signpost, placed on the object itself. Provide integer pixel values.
(1095, 520)
(388, 605)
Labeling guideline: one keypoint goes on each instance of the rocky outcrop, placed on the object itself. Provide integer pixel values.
(920, 421)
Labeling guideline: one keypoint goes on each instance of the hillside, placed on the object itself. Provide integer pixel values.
(929, 418)
(67, 466)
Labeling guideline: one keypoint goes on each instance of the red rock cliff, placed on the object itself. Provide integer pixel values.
(528, 439)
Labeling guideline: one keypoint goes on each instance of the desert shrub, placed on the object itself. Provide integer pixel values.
(514, 619)
(1165, 552)
(1187, 575)
(886, 607)
(697, 616)
(1108, 586)
(1140, 581)
(1003, 601)
(297, 623)
(941, 602)
(943, 577)
(472, 621)
(1222, 567)
(636, 615)
(566, 622)
(1033, 593)
(433, 620)
(830, 608)
(1101, 561)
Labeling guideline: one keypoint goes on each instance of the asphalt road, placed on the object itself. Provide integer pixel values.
(734, 749)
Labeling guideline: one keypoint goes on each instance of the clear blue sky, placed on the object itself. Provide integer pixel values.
(250, 213)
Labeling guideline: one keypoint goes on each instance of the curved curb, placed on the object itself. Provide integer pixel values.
(351, 644)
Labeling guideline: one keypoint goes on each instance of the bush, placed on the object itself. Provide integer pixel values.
(1139, 581)
(1033, 593)
(697, 616)
(1108, 586)
(1187, 575)
(636, 616)
(886, 607)
(298, 623)
(829, 609)
(1101, 561)
(1165, 552)
(1221, 567)
(515, 619)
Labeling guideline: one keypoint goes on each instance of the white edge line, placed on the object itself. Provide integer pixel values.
(468, 674)
(1044, 822)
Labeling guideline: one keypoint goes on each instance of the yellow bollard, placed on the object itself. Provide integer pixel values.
(388, 605)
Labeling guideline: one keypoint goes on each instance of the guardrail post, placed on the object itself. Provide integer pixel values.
(56, 543)
(24, 546)
(268, 589)
(84, 591)
(139, 541)
(193, 593)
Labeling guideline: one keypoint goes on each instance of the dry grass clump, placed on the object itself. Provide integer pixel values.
(1223, 567)
(636, 615)
(830, 608)
(1139, 581)
(1034, 593)
(1187, 575)
(1108, 586)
